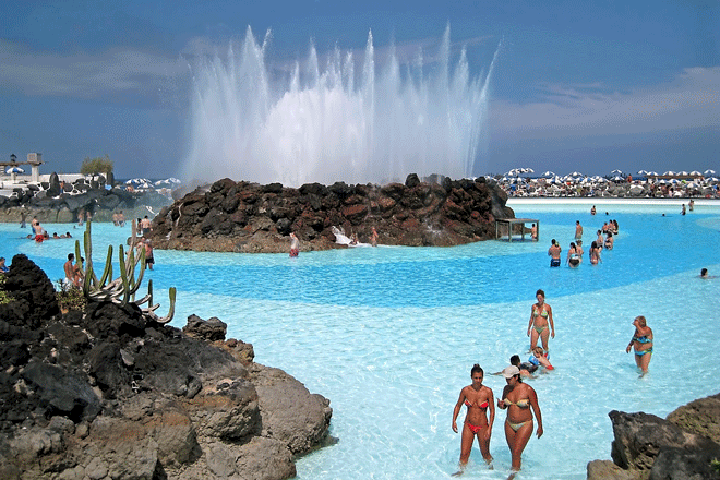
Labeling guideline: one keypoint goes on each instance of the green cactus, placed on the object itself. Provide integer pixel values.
(122, 289)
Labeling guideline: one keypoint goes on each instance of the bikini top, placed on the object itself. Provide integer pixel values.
(522, 403)
(483, 405)
(544, 312)
(643, 340)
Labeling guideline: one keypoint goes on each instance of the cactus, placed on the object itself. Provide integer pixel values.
(122, 289)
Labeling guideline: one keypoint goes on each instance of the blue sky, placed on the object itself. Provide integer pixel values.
(588, 86)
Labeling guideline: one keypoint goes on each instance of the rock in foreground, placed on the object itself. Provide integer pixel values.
(647, 447)
(107, 394)
(247, 217)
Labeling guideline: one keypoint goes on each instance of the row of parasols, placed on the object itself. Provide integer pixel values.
(144, 183)
(576, 176)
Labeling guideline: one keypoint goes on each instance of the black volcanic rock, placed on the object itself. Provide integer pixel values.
(648, 447)
(61, 392)
(34, 295)
(54, 186)
(110, 393)
(244, 217)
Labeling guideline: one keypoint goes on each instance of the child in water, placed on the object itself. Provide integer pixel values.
(538, 358)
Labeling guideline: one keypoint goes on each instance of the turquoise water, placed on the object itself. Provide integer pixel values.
(390, 334)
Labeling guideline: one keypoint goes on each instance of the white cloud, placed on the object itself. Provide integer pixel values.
(114, 72)
(690, 100)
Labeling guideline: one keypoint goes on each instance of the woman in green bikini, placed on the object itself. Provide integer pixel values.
(642, 341)
(518, 398)
(541, 323)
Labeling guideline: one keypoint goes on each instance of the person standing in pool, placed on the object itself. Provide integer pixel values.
(374, 237)
(579, 250)
(642, 342)
(594, 253)
(573, 258)
(593, 210)
(541, 323)
(609, 242)
(518, 398)
(578, 230)
(554, 253)
(478, 399)
(294, 245)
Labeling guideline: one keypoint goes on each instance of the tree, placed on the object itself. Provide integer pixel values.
(97, 165)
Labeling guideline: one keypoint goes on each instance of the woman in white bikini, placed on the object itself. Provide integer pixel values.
(518, 398)
(478, 399)
(541, 323)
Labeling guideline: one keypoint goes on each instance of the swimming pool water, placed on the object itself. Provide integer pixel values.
(389, 334)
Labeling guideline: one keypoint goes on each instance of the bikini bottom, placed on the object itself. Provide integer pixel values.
(516, 426)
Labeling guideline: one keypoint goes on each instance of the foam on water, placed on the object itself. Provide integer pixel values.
(389, 335)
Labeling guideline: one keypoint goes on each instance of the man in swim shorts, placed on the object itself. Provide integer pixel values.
(578, 230)
(294, 245)
(554, 253)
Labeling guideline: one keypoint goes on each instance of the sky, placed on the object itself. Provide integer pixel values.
(577, 86)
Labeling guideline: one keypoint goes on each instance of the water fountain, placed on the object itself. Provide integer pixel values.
(318, 125)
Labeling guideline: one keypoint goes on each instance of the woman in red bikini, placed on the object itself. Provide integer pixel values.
(478, 399)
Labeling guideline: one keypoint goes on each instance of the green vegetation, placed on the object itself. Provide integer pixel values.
(70, 298)
(97, 165)
(122, 289)
(4, 297)
(715, 464)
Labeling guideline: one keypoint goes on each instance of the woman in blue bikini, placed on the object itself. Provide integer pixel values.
(541, 323)
(642, 341)
(518, 398)
(478, 399)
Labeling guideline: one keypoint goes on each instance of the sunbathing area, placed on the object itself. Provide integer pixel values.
(522, 182)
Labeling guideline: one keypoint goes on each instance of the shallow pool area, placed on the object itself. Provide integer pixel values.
(389, 334)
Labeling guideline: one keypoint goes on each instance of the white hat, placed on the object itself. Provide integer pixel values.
(511, 371)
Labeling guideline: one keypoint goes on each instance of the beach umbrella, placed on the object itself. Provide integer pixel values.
(512, 173)
(642, 172)
(548, 174)
(617, 178)
(710, 172)
(13, 171)
(695, 173)
(575, 174)
(669, 172)
(683, 173)
(174, 180)
(652, 174)
(617, 171)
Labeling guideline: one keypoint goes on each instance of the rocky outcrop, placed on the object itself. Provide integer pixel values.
(248, 217)
(56, 202)
(106, 393)
(648, 447)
